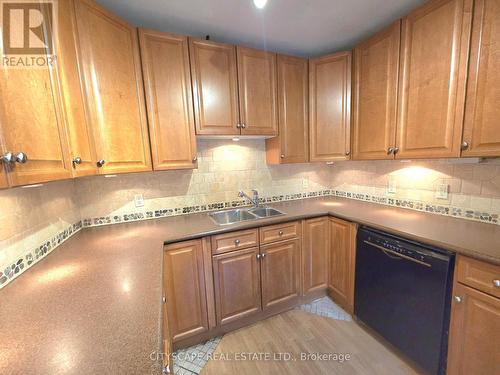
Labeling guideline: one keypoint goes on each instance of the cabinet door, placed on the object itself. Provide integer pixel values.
(280, 273)
(185, 289)
(342, 262)
(330, 107)
(376, 64)
(474, 333)
(237, 285)
(257, 92)
(435, 47)
(215, 87)
(165, 60)
(33, 122)
(482, 128)
(109, 52)
(315, 250)
(4, 182)
(82, 150)
(292, 143)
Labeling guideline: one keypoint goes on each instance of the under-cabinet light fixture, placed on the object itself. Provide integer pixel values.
(260, 4)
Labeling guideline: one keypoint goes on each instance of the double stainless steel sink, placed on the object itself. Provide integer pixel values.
(229, 217)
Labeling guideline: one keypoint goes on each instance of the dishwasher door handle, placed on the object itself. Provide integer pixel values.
(395, 255)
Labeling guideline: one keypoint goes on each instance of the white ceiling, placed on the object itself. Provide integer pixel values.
(301, 27)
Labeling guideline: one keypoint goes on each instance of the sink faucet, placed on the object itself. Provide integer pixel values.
(254, 200)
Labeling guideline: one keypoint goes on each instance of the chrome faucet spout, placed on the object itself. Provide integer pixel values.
(254, 200)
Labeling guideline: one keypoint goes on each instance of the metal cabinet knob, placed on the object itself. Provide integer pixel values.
(396, 150)
(21, 158)
(347, 153)
(100, 163)
(390, 150)
(243, 126)
(195, 159)
(280, 233)
(7, 158)
(496, 283)
(77, 161)
(282, 156)
(458, 299)
(464, 146)
(238, 126)
(263, 255)
(236, 242)
(258, 256)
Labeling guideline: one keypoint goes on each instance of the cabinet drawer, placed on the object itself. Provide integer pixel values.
(223, 243)
(479, 275)
(280, 232)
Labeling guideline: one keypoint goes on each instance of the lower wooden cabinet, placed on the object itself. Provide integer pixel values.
(474, 333)
(315, 255)
(475, 319)
(280, 269)
(185, 292)
(342, 263)
(237, 285)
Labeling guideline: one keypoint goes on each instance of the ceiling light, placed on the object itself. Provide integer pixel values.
(236, 139)
(260, 3)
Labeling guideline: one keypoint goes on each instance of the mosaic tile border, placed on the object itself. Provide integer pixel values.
(166, 212)
(33, 256)
(444, 210)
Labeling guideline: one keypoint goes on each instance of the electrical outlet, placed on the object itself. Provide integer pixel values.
(305, 183)
(442, 191)
(139, 200)
(392, 186)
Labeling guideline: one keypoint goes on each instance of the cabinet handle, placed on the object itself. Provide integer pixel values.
(258, 256)
(195, 159)
(347, 153)
(7, 158)
(396, 150)
(238, 126)
(390, 150)
(458, 299)
(263, 255)
(464, 146)
(496, 283)
(236, 242)
(77, 161)
(100, 163)
(282, 156)
(280, 233)
(243, 126)
(21, 158)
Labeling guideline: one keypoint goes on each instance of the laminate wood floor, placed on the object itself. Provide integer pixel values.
(296, 332)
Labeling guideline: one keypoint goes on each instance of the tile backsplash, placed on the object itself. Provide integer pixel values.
(33, 221)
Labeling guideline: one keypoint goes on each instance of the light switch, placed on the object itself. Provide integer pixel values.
(139, 200)
(442, 191)
(392, 186)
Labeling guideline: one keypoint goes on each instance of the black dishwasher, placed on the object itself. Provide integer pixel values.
(403, 292)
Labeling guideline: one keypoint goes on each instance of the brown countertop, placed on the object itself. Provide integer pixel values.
(94, 305)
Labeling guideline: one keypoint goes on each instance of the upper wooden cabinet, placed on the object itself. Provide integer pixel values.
(330, 107)
(4, 182)
(82, 150)
(257, 92)
(342, 262)
(482, 110)
(111, 65)
(215, 87)
(435, 47)
(292, 143)
(33, 123)
(185, 289)
(165, 61)
(375, 89)
(315, 250)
